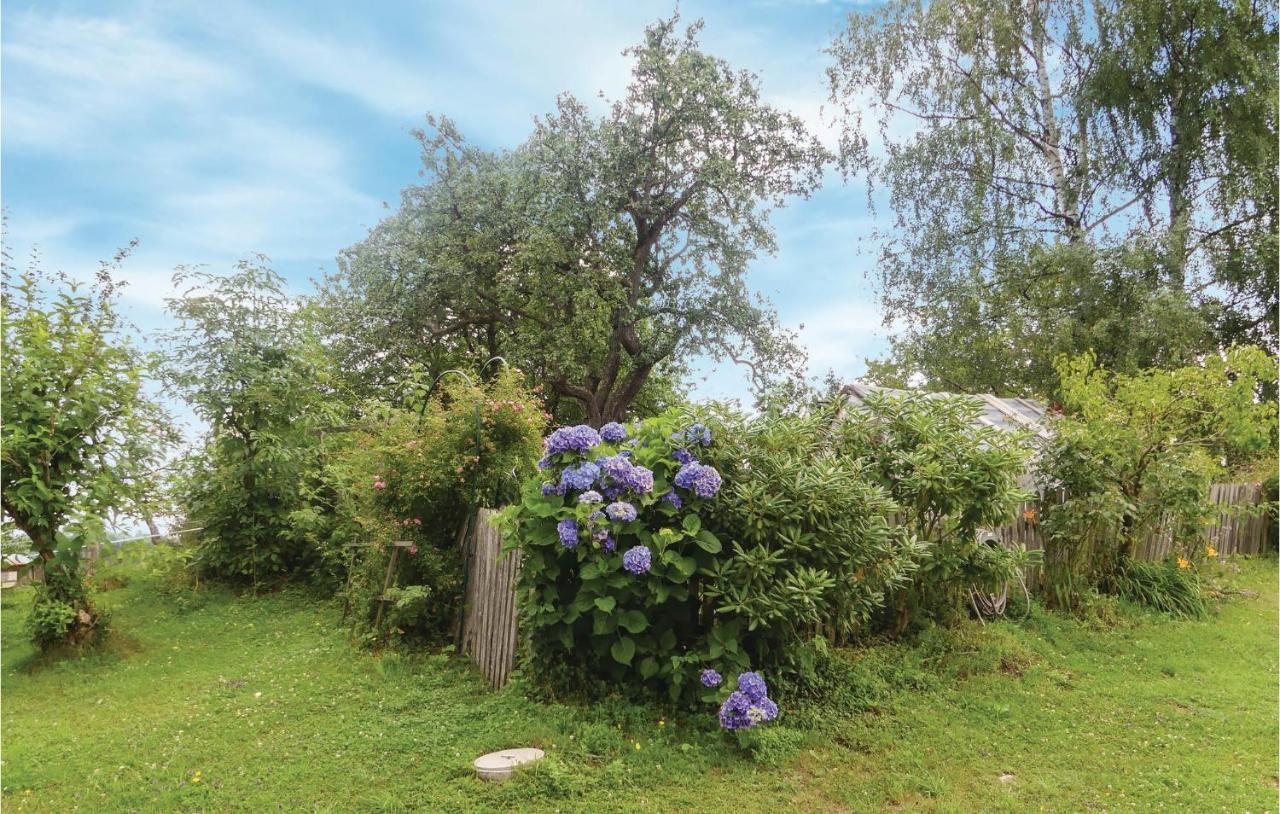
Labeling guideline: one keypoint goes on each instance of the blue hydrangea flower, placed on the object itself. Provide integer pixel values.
(704, 481)
(549, 489)
(590, 496)
(613, 432)
(710, 678)
(638, 479)
(674, 499)
(620, 512)
(609, 544)
(568, 531)
(580, 477)
(637, 559)
(753, 687)
(683, 456)
(572, 439)
(733, 712)
(544, 462)
(698, 434)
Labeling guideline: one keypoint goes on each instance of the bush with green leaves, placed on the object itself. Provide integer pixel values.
(813, 550)
(1134, 455)
(950, 477)
(415, 475)
(248, 361)
(81, 441)
(684, 546)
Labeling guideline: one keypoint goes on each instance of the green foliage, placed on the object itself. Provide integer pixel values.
(248, 361)
(601, 253)
(80, 438)
(950, 476)
(1135, 455)
(1166, 586)
(1004, 336)
(810, 548)
(416, 475)
(1063, 177)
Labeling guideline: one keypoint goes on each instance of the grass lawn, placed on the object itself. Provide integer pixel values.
(261, 704)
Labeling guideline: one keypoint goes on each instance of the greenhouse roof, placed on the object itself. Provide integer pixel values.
(1008, 414)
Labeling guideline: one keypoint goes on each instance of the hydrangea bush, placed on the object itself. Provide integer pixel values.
(615, 556)
(679, 551)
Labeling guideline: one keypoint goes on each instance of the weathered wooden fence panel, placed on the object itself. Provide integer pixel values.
(1232, 532)
(489, 611)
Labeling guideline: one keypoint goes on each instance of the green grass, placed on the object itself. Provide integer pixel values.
(268, 701)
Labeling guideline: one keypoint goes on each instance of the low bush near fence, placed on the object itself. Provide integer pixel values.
(950, 477)
(1133, 457)
(414, 476)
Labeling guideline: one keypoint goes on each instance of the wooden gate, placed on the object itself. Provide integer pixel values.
(489, 617)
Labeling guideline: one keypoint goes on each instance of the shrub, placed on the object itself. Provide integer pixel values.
(1134, 456)
(1171, 586)
(812, 550)
(950, 476)
(701, 568)
(415, 475)
(249, 362)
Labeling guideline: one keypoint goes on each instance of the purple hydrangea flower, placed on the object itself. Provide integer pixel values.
(613, 432)
(568, 531)
(763, 710)
(710, 678)
(639, 479)
(637, 559)
(590, 496)
(609, 544)
(698, 434)
(733, 712)
(621, 512)
(613, 467)
(620, 475)
(549, 489)
(753, 687)
(703, 480)
(683, 456)
(580, 477)
(572, 439)
(544, 462)
(674, 499)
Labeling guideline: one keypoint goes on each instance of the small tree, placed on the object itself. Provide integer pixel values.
(1135, 455)
(247, 360)
(80, 436)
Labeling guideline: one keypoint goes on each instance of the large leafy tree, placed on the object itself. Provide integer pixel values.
(1010, 132)
(602, 252)
(248, 361)
(81, 438)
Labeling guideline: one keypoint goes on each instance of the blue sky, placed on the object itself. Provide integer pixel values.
(210, 131)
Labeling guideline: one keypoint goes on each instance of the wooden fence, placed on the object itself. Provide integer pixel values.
(1233, 531)
(489, 616)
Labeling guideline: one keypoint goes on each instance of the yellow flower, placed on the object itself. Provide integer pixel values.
(637, 746)
(1183, 562)
(1211, 551)
(662, 723)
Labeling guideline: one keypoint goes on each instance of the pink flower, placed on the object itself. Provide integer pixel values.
(413, 549)
(379, 485)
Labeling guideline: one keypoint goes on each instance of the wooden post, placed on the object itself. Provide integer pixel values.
(389, 580)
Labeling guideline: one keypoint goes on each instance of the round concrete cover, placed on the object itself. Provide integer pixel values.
(498, 766)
